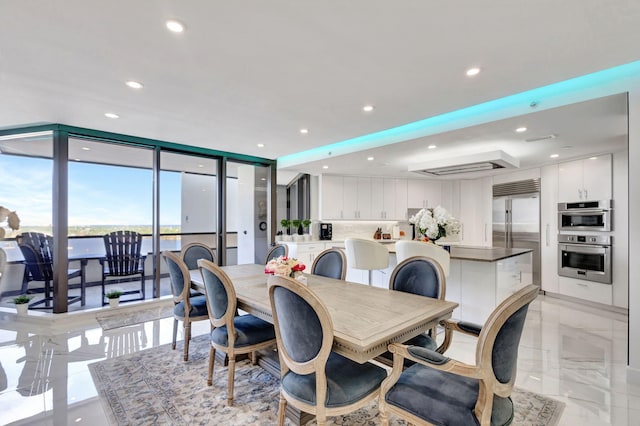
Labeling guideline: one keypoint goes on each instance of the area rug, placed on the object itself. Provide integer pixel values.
(109, 320)
(155, 387)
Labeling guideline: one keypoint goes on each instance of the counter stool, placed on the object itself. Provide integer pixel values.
(366, 254)
(407, 249)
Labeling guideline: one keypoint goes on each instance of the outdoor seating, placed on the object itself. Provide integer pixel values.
(122, 260)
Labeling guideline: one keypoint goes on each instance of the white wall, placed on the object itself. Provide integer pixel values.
(633, 371)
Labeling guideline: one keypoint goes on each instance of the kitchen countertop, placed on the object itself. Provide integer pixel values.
(485, 254)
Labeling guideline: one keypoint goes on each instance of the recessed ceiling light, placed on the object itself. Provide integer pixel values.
(111, 115)
(201, 165)
(554, 156)
(260, 145)
(325, 167)
(304, 131)
(134, 84)
(367, 108)
(521, 129)
(370, 158)
(432, 147)
(86, 148)
(473, 71)
(567, 147)
(593, 158)
(263, 178)
(76, 159)
(175, 26)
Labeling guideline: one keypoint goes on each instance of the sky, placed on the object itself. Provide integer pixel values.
(98, 194)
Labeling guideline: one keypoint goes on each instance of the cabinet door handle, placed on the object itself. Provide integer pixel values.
(586, 197)
(485, 232)
(580, 194)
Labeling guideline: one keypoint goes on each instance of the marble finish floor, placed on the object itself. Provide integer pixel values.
(569, 352)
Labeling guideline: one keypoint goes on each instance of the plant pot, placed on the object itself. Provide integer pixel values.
(22, 308)
(115, 302)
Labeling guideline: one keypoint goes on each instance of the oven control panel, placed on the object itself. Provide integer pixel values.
(604, 240)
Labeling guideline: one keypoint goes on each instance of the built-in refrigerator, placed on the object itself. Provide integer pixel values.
(516, 219)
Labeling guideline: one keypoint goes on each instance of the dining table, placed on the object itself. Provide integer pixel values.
(365, 319)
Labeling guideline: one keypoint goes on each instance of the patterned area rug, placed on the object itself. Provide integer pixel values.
(156, 387)
(110, 320)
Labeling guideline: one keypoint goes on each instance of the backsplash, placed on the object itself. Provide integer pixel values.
(365, 229)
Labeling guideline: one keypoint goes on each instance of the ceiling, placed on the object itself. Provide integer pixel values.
(248, 72)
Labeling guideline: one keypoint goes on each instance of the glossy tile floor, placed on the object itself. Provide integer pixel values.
(570, 352)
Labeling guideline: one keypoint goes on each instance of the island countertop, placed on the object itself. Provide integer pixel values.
(479, 254)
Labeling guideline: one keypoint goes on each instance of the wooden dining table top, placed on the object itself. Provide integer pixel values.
(365, 319)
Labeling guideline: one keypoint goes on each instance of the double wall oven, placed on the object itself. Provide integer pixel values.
(586, 255)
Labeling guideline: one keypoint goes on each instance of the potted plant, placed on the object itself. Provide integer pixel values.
(22, 303)
(114, 297)
(297, 224)
(286, 224)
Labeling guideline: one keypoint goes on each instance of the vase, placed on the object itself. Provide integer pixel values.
(22, 308)
(114, 303)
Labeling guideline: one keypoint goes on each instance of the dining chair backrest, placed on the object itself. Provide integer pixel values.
(122, 249)
(221, 297)
(276, 251)
(407, 249)
(330, 263)
(419, 275)
(37, 268)
(193, 252)
(304, 330)
(179, 276)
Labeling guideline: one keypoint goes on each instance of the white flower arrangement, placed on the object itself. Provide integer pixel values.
(435, 223)
(12, 219)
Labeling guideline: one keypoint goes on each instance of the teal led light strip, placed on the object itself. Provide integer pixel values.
(602, 83)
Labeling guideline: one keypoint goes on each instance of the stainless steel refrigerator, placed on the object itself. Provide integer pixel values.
(516, 219)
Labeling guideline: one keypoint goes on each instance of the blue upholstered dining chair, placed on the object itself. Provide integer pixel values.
(441, 390)
(186, 308)
(330, 263)
(231, 333)
(313, 378)
(193, 252)
(422, 276)
(276, 251)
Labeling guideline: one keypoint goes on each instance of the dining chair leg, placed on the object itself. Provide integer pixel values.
(187, 337)
(175, 333)
(212, 358)
(232, 372)
(282, 408)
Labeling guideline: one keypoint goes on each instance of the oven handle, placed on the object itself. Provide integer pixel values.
(585, 248)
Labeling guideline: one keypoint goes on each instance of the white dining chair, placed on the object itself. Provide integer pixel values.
(407, 249)
(366, 254)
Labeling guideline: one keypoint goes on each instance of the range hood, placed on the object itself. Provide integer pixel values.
(466, 164)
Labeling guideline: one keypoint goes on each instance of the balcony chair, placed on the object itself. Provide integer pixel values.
(407, 249)
(422, 276)
(123, 259)
(313, 378)
(193, 252)
(231, 333)
(276, 251)
(330, 263)
(366, 254)
(186, 308)
(441, 390)
(38, 262)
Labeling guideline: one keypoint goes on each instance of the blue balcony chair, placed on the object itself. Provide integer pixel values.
(313, 378)
(231, 333)
(123, 259)
(186, 308)
(440, 390)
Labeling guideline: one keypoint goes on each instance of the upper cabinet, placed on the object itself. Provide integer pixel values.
(388, 199)
(356, 198)
(585, 180)
(549, 228)
(423, 193)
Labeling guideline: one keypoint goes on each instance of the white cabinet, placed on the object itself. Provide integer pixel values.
(549, 228)
(388, 199)
(305, 252)
(587, 290)
(588, 179)
(331, 195)
(479, 287)
(423, 193)
(356, 198)
(475, 212)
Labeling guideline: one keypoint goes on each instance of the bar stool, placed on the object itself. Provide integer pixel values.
(366, 254)
(407, 249)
